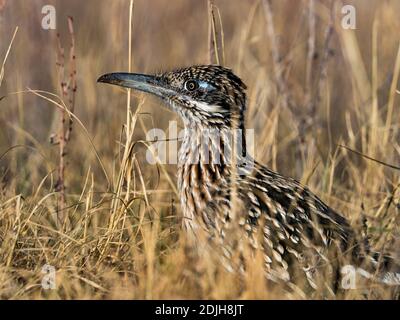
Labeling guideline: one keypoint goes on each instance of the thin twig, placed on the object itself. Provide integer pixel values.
(215, 35)
(68, 92)
(6, 56)
(370, 158)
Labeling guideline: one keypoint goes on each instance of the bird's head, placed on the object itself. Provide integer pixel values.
(208, 95)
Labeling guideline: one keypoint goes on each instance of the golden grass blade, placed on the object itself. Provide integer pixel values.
(6, 56)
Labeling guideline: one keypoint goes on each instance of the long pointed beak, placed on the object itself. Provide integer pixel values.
(141, 82)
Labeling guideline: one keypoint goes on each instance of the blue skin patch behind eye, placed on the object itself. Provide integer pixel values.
(206, 86)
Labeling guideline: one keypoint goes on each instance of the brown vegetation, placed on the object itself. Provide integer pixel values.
(313, 87)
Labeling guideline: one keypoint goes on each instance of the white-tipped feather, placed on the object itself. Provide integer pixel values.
(207, 107)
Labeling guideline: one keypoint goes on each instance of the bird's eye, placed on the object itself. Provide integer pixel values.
(191, 85)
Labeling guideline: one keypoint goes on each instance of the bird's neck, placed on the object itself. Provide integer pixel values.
(202, 171)
(205, 167)
(211, 149)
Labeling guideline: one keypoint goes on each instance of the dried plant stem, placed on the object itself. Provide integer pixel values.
(276, 58)
(118, 212)
(68, 91)
(311, 50)
(392, 94)
(6, 56)
(215, 35)
(323, 68)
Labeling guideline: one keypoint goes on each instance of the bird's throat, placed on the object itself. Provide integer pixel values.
(204, 171)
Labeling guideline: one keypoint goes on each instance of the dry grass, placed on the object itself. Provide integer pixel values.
(312, 86)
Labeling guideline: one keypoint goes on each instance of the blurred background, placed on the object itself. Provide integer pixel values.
(312, 86)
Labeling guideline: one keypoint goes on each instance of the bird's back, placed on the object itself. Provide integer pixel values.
(299, 232)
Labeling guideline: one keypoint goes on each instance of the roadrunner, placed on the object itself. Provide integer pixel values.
(226, 193)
